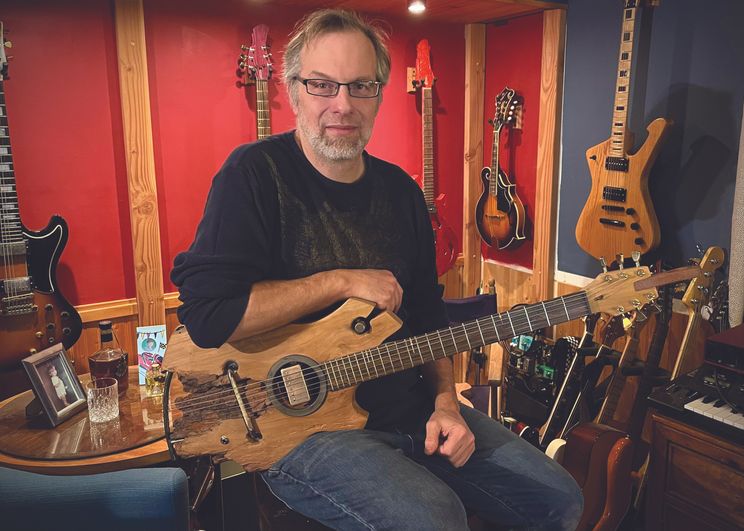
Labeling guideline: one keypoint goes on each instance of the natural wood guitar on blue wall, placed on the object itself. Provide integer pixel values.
(33, 313)
(618, 216)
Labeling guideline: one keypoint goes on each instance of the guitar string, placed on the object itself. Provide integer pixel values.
(7, 231)
(347, 362)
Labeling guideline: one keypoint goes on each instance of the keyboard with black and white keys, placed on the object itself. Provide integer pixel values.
(709, 397)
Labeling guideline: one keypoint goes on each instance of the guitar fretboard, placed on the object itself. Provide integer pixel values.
(11, 235)
(263, 115)
(396, 356)
(427, 128)
(622, 86)
(493, 181)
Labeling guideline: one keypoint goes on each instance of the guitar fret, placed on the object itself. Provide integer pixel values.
(508, 315)
(470, 347)
(495, 328)
(546, 313)
(480, 331)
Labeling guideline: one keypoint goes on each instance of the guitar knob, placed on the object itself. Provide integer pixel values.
(635, 226)
(638, 241)
(50, 326)
(630, 211)
(51, 340)
(48, 307)
(66, 331)
(39, 334)
(64, 315)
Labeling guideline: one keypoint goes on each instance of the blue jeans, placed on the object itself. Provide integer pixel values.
(365, 479)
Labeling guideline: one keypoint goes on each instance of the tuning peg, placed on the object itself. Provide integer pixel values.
(620, 261)
(636, 258)
(603, 264)
(640, 316)
(244, 47)
(700, 250)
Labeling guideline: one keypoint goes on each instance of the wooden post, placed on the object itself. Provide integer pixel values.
(475, 82)
(137, 123)
(548, 146)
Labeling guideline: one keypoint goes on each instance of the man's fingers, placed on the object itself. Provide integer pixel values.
(431, 444)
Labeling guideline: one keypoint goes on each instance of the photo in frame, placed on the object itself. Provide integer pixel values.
(55, 384)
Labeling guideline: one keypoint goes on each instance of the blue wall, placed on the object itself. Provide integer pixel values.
(690, 68)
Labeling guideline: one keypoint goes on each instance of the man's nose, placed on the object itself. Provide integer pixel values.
(342, 102)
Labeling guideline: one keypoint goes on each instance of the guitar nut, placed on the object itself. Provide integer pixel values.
(225, 439)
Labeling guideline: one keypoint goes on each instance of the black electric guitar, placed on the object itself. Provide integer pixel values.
(255, 399)
(500, 214)
(33, 313)
(255, 67)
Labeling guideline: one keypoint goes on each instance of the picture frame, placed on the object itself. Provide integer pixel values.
(55, 384)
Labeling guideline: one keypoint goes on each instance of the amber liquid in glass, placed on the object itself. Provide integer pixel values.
(110, 364)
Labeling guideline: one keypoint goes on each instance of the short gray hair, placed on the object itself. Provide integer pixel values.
(331, 21)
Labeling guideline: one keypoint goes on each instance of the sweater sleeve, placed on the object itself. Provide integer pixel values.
(231, 251)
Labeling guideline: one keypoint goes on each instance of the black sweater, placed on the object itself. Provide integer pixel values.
(271, 215)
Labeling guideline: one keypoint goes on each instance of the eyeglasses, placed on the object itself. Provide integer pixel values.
(328, 89)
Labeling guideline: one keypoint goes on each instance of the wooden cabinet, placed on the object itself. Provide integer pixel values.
(696, 480)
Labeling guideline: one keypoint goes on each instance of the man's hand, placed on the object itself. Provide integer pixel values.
(448, 435)
(375, 285)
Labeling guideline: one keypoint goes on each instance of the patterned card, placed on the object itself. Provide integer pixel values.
(151, 343)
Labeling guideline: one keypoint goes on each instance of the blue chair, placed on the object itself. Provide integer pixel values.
(147, 499)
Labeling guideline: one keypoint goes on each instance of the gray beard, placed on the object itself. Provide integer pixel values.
(339, 149)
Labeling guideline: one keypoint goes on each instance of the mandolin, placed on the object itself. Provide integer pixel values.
(255, 68)
(618, 216)
(253, 400)
(445, 238)
(33, 313)
(500, 214)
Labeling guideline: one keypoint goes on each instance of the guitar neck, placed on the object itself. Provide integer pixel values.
(427, 128)
(622, 85)
(617, 384)
(263, 114)
(684, 348)
(12, 240)
(492, 183)
(397, 356)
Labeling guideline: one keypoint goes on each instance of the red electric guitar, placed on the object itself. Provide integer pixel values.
(255, 68)
(444, 237)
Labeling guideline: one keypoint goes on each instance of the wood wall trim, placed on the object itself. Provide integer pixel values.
(99, 311)
(548, 149)
(475, 84)
(137, 125)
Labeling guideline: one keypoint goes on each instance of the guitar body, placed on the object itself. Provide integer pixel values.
(500, 218)
(632, 225)
(590, 448)
(51, 319)
(444, 238)
(198, 371)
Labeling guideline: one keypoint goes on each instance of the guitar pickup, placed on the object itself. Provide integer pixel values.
(616, 164)
(294, 383)
(13, 249)
(611, 193)
(612, 222)
(613, 208)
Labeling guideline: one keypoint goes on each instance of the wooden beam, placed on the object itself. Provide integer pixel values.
(143, 197)
(548, 149)
(475, 82)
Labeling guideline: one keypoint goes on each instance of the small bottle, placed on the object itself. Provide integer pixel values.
(154, 380)
(110, 360)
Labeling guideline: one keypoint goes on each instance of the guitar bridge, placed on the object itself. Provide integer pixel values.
(250, 423)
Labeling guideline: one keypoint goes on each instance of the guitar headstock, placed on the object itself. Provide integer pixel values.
(698, 290)
(424, 73)
(256, 63)
(617, 292)
(3, 58)
(506, 108)
(613, 330)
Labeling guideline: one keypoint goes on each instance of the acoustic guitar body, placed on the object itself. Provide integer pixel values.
(203, 418)
(501, 217)
(618, 217)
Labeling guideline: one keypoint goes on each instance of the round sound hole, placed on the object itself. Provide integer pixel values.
(297, 385)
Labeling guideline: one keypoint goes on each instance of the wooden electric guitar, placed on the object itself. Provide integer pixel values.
(445, 238)
(33, 313)
(618, 216)
(255, 399)
(255, 68)
(499, 213)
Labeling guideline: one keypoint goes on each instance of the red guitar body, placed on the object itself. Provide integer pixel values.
(445, 238)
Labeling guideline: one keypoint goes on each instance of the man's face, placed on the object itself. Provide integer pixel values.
(336, 128)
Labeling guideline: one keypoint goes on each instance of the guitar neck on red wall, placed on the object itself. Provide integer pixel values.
(618, 216)
(33, 314)
(255, 68)
(444, 237)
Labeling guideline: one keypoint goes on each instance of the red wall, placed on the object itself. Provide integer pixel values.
(513, 56)
(64, 112)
